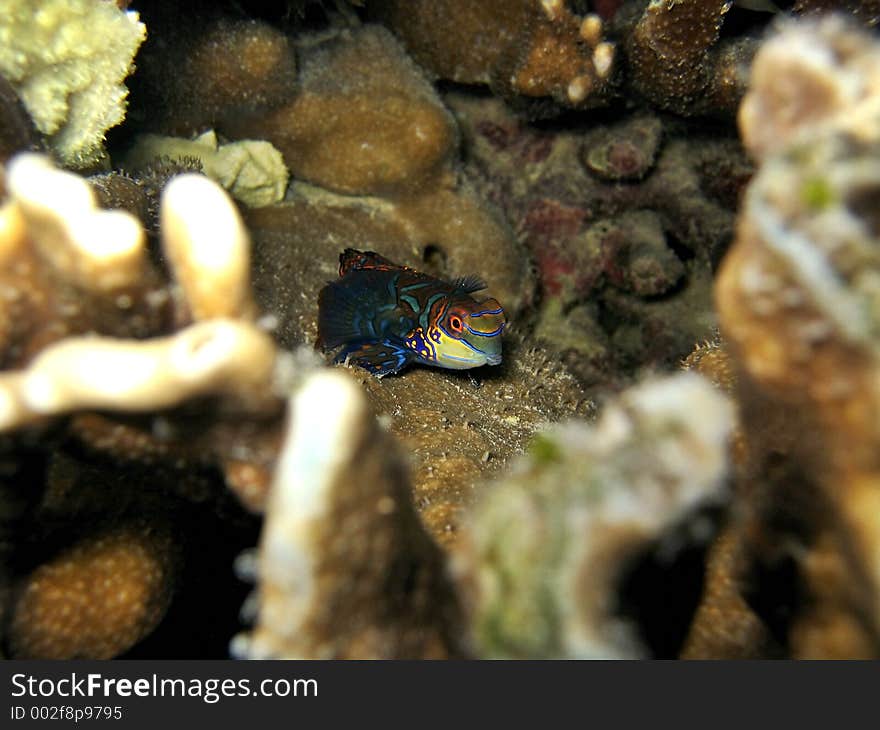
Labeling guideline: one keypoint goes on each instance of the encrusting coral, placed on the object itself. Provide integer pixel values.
(625, 221)
(68, 69)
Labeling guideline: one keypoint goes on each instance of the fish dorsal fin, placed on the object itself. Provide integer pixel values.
(353, 260)
(468, 284)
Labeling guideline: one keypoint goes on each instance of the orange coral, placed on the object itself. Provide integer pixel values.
(95, 599)
(521, 47)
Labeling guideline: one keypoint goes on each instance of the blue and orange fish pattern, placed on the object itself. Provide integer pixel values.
(385, 317)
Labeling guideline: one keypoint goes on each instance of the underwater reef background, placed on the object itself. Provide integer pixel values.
(675, 201)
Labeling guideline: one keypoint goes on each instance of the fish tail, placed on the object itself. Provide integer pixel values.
(337, 308)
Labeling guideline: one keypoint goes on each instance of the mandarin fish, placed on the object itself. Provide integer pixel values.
(385, 317)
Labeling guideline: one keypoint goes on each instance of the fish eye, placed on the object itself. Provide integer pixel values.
(455, 322)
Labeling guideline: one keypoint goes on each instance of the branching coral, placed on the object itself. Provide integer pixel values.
(69, 67)
(676, 61)
(53, 236)
(217, 357)
(142, 375)
(345, 568)
(797, 300)
(549, 561)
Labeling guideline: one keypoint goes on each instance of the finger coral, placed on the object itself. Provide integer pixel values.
(94, 324)
(163, 409)
(676, 60)
(69, 68)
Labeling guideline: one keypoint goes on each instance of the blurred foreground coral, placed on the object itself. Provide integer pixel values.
(797, 299)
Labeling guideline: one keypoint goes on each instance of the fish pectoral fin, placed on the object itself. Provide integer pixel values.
(380, 358)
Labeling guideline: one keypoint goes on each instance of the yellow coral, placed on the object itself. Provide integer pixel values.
(67, 60)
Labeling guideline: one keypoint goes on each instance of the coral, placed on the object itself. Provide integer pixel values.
(69, 68)
(251, 170)
(725, 626)
(365, 120)
(67, 264)
(546, 552)
(559, 558)
(140, 193)
(867, 11)
(448, 234)
(160, 401)
(95, 599)
(796, 298)
(194, 75)
(676, 60)
(216, 357)
(210, 255)
(802, 90)
(518, 47)
(149, 420)
(89, 329)
(345, 569)
(625, 151)
(625, 243)
(444, 422)
(99, 251)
